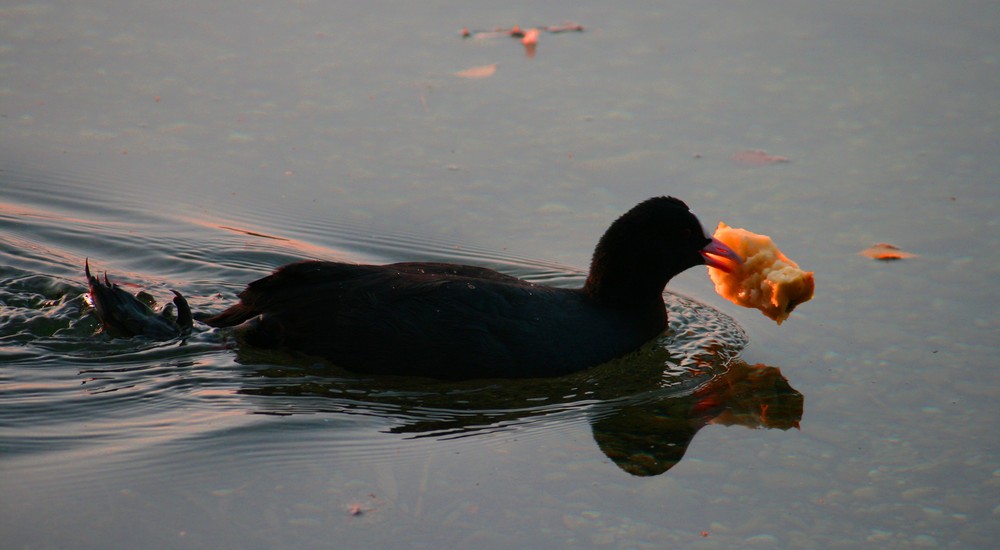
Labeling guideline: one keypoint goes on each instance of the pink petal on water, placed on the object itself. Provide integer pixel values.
(482, 71)
(757, 157)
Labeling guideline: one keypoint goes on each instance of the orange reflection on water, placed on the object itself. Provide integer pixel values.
(307, 249)
(22, 211)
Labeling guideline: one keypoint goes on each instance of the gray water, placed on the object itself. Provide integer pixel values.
(197, 147)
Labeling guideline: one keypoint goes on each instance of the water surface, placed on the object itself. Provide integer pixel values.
(198, 147)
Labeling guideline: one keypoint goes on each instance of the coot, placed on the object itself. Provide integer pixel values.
(457, 321)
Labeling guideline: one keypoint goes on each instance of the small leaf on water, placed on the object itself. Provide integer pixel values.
(482, 71)
(886, 252)
(757, 157)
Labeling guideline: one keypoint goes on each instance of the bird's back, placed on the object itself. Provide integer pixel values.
(439, 320)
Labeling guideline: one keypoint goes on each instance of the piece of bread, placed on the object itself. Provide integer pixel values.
(767, 280)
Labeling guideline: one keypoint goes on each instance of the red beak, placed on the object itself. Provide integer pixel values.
(718, 255)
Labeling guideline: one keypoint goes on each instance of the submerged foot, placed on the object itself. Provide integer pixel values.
(123, 315)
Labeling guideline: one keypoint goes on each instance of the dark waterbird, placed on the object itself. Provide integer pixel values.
(457, 321)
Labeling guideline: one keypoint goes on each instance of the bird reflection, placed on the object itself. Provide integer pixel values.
(648, 439)
(644, 409)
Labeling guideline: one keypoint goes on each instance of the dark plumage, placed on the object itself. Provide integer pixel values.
(122, 314)
(457, 321)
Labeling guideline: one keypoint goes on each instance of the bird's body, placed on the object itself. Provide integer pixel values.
(437, 320)
(457, 321)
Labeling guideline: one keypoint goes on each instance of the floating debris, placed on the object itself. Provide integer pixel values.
(886, 252)
(528, 36)
(482, 71)
(757, 157)
(530, 42)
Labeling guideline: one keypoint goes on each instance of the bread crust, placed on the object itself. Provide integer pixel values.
(768, 280)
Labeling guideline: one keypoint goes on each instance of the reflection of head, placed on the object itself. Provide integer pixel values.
(650, 438)
(642, 442)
